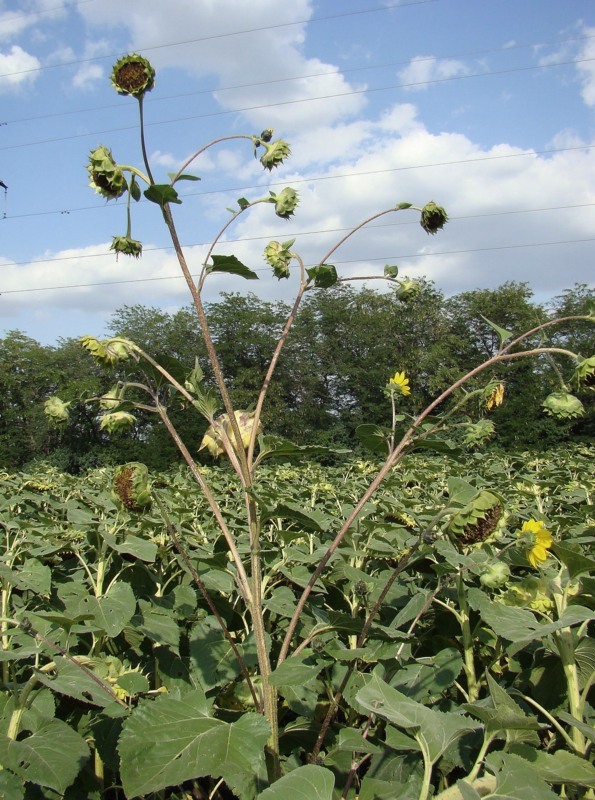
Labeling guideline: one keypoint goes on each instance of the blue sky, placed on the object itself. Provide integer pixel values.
(486, 108)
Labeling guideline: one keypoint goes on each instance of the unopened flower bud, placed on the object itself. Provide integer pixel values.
(126, 246)
(117, 421)
(285, 202)
(275, 153)
(215, 435)
(408, 289)
(495, 575)
(584, 374)
(563, 405)
(56, 409)
(279, 257)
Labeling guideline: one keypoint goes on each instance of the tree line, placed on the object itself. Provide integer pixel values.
(344, 346)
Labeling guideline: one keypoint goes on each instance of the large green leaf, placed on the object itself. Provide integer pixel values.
(435, 730)
(576, 563)
(558, 767)
(212, 659)
(373, 437)
(516, 778)
(297, 671)
(52, 756)
(278, 447)
(504, 714)
(309, 782)
(171, 740)
(518, 624)
(75, 682)
(232, 266)
(114, 610)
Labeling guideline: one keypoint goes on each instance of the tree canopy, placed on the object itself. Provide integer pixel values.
(344, 346)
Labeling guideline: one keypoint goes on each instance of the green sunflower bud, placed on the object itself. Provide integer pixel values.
(117, 421)
(477, 433)
(131, 486)
(285, 202)
(408, 289)
(133, 75)
(433, 217)
(266, 135)
(275, 153)
(126, 246)
(563, 405)
(478, 520)
(106, 176)
(113, 398)
(495, 575)
(221, 428)
(93, 346)
(56, 409)
(279, 257)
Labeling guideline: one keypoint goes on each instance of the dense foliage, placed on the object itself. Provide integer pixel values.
(106, 586)
(336, 361)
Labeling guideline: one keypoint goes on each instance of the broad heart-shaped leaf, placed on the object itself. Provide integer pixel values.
(576, 563)
(558, 767)
(74, 682)
(505, 714)
(132, 545)
(516, 778)
(434, 730)
(277, 446)
(373, 437)
(232, 266)
(310, 519)
(11, 786)
(324, 275)
(518, 624)
(503, 334)
(162, 193)
(168, 741)
(113, 611)
(309, 782)
(51, 757)
(212, 660)
(296, 672)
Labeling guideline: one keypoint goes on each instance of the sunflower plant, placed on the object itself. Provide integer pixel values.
(288, 632)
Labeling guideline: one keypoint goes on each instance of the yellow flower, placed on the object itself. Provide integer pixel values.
(401, 382)
(537, 541)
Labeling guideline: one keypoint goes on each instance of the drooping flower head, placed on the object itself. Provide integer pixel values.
(433, 217)
(127, 246)
(400, 383)
(536, 541)
(495, 397)
(563, 405)
(106, 176)
(131, 486)
(133, 75)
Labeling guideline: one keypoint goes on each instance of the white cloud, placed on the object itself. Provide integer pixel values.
(586, 70)
(423, 70)
(87, 76)
(254, 70)
(17, 68)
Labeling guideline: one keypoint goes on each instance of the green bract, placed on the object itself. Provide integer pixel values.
(285, 202)
(117, 421)
(133, 75)
(126, 246)
(108, 351)
(131, 486)
(433, 217)
(408, 289)
(563, 405)
(275, 153)
(106, 177)
(478, 520)
(477, 433)
(56, 409)
(279, 257)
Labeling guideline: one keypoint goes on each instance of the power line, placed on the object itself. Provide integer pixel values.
(226, 35)
(301, 100)
(41, 12)
(152, 100)
(386, 259)
(339, 176)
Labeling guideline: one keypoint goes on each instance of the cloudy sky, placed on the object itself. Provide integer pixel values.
(486, 108)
